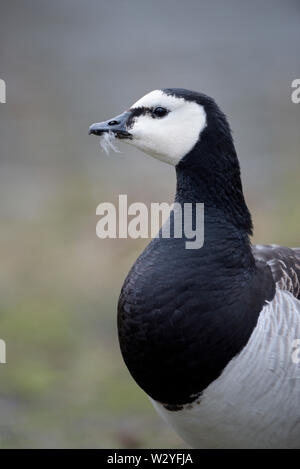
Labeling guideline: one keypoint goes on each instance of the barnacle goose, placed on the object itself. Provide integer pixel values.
(208, 334)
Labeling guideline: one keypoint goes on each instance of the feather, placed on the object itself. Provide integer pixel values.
(107, 142)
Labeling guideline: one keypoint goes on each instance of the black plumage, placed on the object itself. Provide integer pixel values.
(184, 314)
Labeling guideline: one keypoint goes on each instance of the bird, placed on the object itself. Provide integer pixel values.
(209, 334)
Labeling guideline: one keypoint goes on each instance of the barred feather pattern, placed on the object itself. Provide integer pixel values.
(255, 403)
(284, 263)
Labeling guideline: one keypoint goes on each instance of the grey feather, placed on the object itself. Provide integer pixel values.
(284, 263)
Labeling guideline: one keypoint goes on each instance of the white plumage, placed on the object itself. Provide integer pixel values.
(256, 401)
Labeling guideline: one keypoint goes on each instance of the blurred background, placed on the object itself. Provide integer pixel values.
(70, 63)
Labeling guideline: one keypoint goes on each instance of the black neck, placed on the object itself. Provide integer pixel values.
(216, 182)
(184, 314)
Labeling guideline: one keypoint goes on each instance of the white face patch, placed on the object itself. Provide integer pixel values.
(171, 137)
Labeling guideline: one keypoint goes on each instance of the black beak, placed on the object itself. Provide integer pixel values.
(117, 125)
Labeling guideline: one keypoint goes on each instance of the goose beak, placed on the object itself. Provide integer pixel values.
(117, 125)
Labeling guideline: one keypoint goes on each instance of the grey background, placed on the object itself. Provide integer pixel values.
(67, 64)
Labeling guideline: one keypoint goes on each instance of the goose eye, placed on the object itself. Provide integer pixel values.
(159, 111)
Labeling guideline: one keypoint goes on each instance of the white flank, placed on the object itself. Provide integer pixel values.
(255, 403)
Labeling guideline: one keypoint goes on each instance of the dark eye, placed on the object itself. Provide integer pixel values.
(159, 111)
